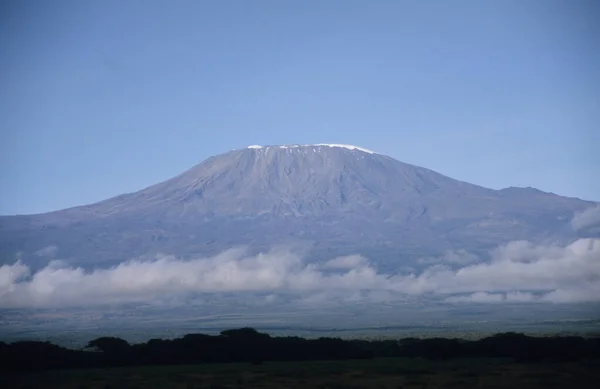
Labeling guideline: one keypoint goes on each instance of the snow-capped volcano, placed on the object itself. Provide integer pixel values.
(340, 197)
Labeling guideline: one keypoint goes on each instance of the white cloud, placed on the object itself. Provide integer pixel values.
(48, 251)
(456, 257)
(517, 272)
(485, 297)
(516, 266)
(231, 271)
(347, 262)
(586, 218)
(9, 276)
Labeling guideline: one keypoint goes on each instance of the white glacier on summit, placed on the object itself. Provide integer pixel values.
(349, 147)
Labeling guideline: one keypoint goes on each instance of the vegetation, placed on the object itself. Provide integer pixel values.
(248, 345)
(379, 373)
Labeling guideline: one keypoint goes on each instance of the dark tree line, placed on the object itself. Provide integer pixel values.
(248, 345)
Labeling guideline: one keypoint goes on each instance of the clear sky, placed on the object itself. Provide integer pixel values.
(99, 98)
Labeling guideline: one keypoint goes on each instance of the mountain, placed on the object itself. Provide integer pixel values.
(340, 198)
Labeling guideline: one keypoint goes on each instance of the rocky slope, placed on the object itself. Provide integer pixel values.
(339, 198)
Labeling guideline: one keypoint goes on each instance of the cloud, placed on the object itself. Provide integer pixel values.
(517, 266)
(347, 262)
(484, 297)
(586, 218)
(517, 272)
(132, 281)
(456, 257)
(48, 251)
(9, 275)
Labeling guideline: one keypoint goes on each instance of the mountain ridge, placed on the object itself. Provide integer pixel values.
(292, 146)
(341, 196)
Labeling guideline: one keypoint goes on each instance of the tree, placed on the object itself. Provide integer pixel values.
(245, 333)
(109, 345)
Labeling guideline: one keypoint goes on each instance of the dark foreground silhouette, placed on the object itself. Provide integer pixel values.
(248, 345)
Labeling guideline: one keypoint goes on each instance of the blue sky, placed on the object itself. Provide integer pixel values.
(99, 98)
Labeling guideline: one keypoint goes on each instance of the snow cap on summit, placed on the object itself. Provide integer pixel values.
(349, 147)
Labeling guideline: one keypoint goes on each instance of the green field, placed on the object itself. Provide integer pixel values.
(354, 374)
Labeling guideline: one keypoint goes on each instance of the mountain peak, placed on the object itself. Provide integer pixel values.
(293, 146)
(337, 195)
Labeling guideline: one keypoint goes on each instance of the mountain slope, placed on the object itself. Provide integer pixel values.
(342, 198)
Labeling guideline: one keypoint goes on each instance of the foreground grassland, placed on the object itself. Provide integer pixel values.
(392, 373)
